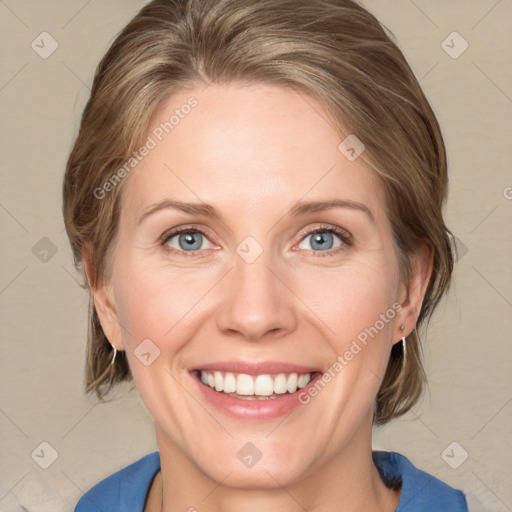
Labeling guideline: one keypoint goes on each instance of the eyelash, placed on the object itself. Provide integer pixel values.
(344, 236)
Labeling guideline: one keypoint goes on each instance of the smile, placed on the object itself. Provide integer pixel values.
(256, 391)
(254, 387)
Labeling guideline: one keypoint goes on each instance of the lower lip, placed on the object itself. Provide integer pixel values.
(253, 409)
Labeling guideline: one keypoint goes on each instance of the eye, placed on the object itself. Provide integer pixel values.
(183, 240)
(186, 241)
(326, 239)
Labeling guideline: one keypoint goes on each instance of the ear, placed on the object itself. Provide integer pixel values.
(104, 302)
(412, 293)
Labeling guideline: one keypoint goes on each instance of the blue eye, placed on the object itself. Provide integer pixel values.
(324, 241)
(188, 240)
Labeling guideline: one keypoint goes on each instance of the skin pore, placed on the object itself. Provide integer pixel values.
(253, 153)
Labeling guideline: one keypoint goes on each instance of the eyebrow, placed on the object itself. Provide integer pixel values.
(299, 209)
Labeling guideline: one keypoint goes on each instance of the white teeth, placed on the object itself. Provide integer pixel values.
(249, 385)
(229, 383)
(263, 385)
(303, 380)
(244, 384)
(219, 381)
(292, 382)
(280, 384)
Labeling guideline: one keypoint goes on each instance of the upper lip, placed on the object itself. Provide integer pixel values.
(260, 368)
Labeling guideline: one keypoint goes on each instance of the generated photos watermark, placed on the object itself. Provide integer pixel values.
(355, 348)
(152, 141)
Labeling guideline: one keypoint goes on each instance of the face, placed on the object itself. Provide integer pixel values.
(233, 315)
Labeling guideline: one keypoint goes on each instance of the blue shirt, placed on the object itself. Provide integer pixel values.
(126, 490)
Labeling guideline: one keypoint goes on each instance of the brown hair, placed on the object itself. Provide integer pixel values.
(333, 50)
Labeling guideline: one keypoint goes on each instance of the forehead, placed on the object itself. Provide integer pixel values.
(251, 147)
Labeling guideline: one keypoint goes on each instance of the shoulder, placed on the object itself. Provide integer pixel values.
(124, 490)
(421, 492)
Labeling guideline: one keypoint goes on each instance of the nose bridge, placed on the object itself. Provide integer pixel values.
(254, 300)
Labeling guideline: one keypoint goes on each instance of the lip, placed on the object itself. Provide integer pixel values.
(264, 367)
(253, 409)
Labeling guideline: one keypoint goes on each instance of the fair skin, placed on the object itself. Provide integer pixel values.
(254, 152)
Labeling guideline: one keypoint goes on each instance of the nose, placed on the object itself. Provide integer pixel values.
(256, 303)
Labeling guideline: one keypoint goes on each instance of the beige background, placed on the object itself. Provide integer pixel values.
(468, 351)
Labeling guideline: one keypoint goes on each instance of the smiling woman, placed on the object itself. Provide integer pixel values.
(262, 271)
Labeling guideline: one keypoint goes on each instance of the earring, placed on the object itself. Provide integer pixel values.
(113, 357)
(404, 351)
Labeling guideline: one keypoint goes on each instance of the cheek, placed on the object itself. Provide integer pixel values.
(143, 307)
(351, 299)
(142, 318)
(156, 311)
(356, 306)
(153, 299)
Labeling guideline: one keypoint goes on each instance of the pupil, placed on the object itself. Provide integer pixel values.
(188, 241)
(321, 240)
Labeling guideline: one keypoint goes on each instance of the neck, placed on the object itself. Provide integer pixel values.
(349, 481)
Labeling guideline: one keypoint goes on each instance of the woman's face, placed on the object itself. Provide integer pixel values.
(270, 285)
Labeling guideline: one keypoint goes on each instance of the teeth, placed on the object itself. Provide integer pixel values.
(280, 384)
(229, 383)
(292, 383)
(249, 385)
(263, 385)
(303, 381)
(219, 381)
(244, 384)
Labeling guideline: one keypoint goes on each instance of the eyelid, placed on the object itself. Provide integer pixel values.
(182, 229)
